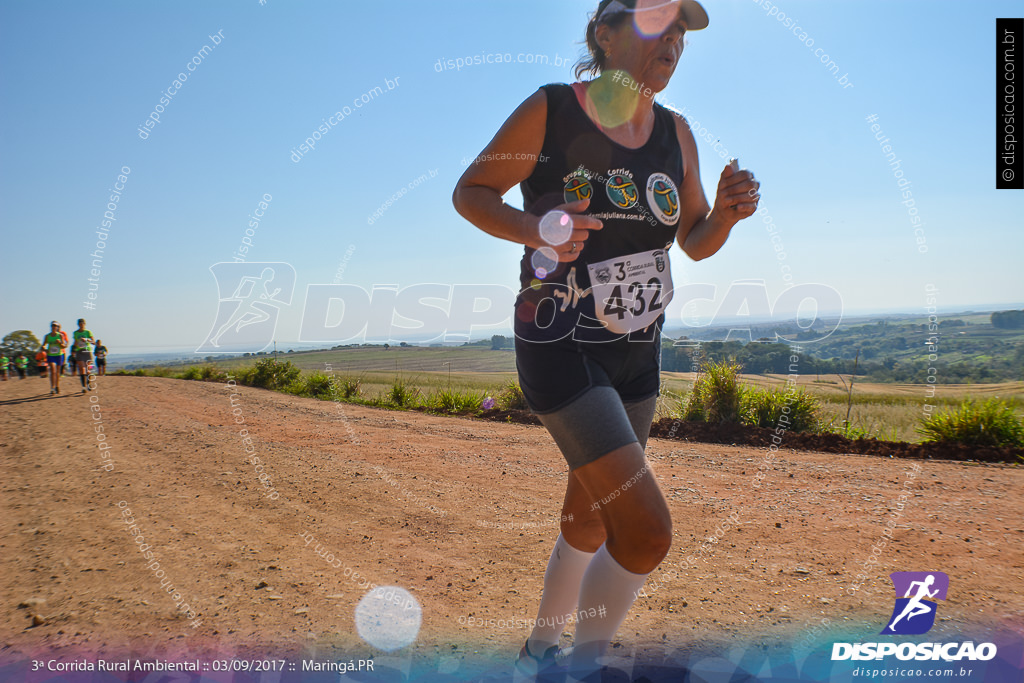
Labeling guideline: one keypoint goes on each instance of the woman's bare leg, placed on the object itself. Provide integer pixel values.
(582, 533)
(639, 527)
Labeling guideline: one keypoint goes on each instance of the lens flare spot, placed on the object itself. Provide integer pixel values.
(535, 284)
(544, 259)
(555, 227)
(388, 618)
(613, 98)
(652, 17)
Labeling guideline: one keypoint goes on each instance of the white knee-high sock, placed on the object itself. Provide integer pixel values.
(561, 592)
(607, 590)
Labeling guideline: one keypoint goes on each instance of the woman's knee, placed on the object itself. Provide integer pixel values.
(659, 539)
(659, 531)
(650, 540)
(584, 533)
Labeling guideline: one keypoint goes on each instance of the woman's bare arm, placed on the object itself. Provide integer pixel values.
(505, 162)
(702, 230)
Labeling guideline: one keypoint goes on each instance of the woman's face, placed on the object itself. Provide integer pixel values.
(647, 45)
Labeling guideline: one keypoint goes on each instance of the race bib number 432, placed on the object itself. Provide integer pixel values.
(631, 292)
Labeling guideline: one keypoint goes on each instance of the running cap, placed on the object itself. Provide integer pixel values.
(694, 14)
(54, 322)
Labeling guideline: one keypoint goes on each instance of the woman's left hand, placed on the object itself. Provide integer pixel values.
(737, 195)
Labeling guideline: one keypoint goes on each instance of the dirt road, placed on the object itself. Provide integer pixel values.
(461, 513)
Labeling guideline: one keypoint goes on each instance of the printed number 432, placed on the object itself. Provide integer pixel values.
(616, 305)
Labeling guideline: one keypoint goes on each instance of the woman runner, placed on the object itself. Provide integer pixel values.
(610, 180)
(54, 344)
(82, 352)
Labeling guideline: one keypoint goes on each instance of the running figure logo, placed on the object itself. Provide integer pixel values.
(663, 198)
(914, 613)
(577, 188)
(250, 297)
(622, 191)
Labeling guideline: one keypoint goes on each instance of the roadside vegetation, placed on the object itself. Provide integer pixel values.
(402, 393)
(719, 395)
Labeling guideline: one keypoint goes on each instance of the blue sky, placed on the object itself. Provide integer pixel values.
(78, 80)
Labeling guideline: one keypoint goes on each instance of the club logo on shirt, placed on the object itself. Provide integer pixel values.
(621, 189)
(578, 187)
(659, 260)
(663, 198)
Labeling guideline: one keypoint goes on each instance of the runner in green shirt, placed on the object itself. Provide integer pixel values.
(3, 366)
(54, 345)
(21, 364)
(83, 354)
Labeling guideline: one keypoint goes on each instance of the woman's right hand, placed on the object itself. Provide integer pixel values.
(570, 249)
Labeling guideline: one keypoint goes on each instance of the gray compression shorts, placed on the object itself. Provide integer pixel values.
(597, 423)
(592, 397)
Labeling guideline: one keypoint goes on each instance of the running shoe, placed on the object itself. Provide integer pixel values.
(530, 668)
(605, 674)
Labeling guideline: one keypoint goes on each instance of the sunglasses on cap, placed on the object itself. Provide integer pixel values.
(692, 11)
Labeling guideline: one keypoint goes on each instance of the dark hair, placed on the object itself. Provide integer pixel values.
(594, 62)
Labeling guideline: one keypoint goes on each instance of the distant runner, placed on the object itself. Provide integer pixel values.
(3, 366)
(41, 363)
(66, 370)
(21, 364)
(83, 356)
(54, 343)
(101, 358)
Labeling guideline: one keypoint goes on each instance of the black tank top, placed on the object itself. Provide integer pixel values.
(633, 191)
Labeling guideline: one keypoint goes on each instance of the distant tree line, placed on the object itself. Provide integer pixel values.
(762, 357)
(1008, 320)
(756, 358)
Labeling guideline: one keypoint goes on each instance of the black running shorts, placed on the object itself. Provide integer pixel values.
(592, 397)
